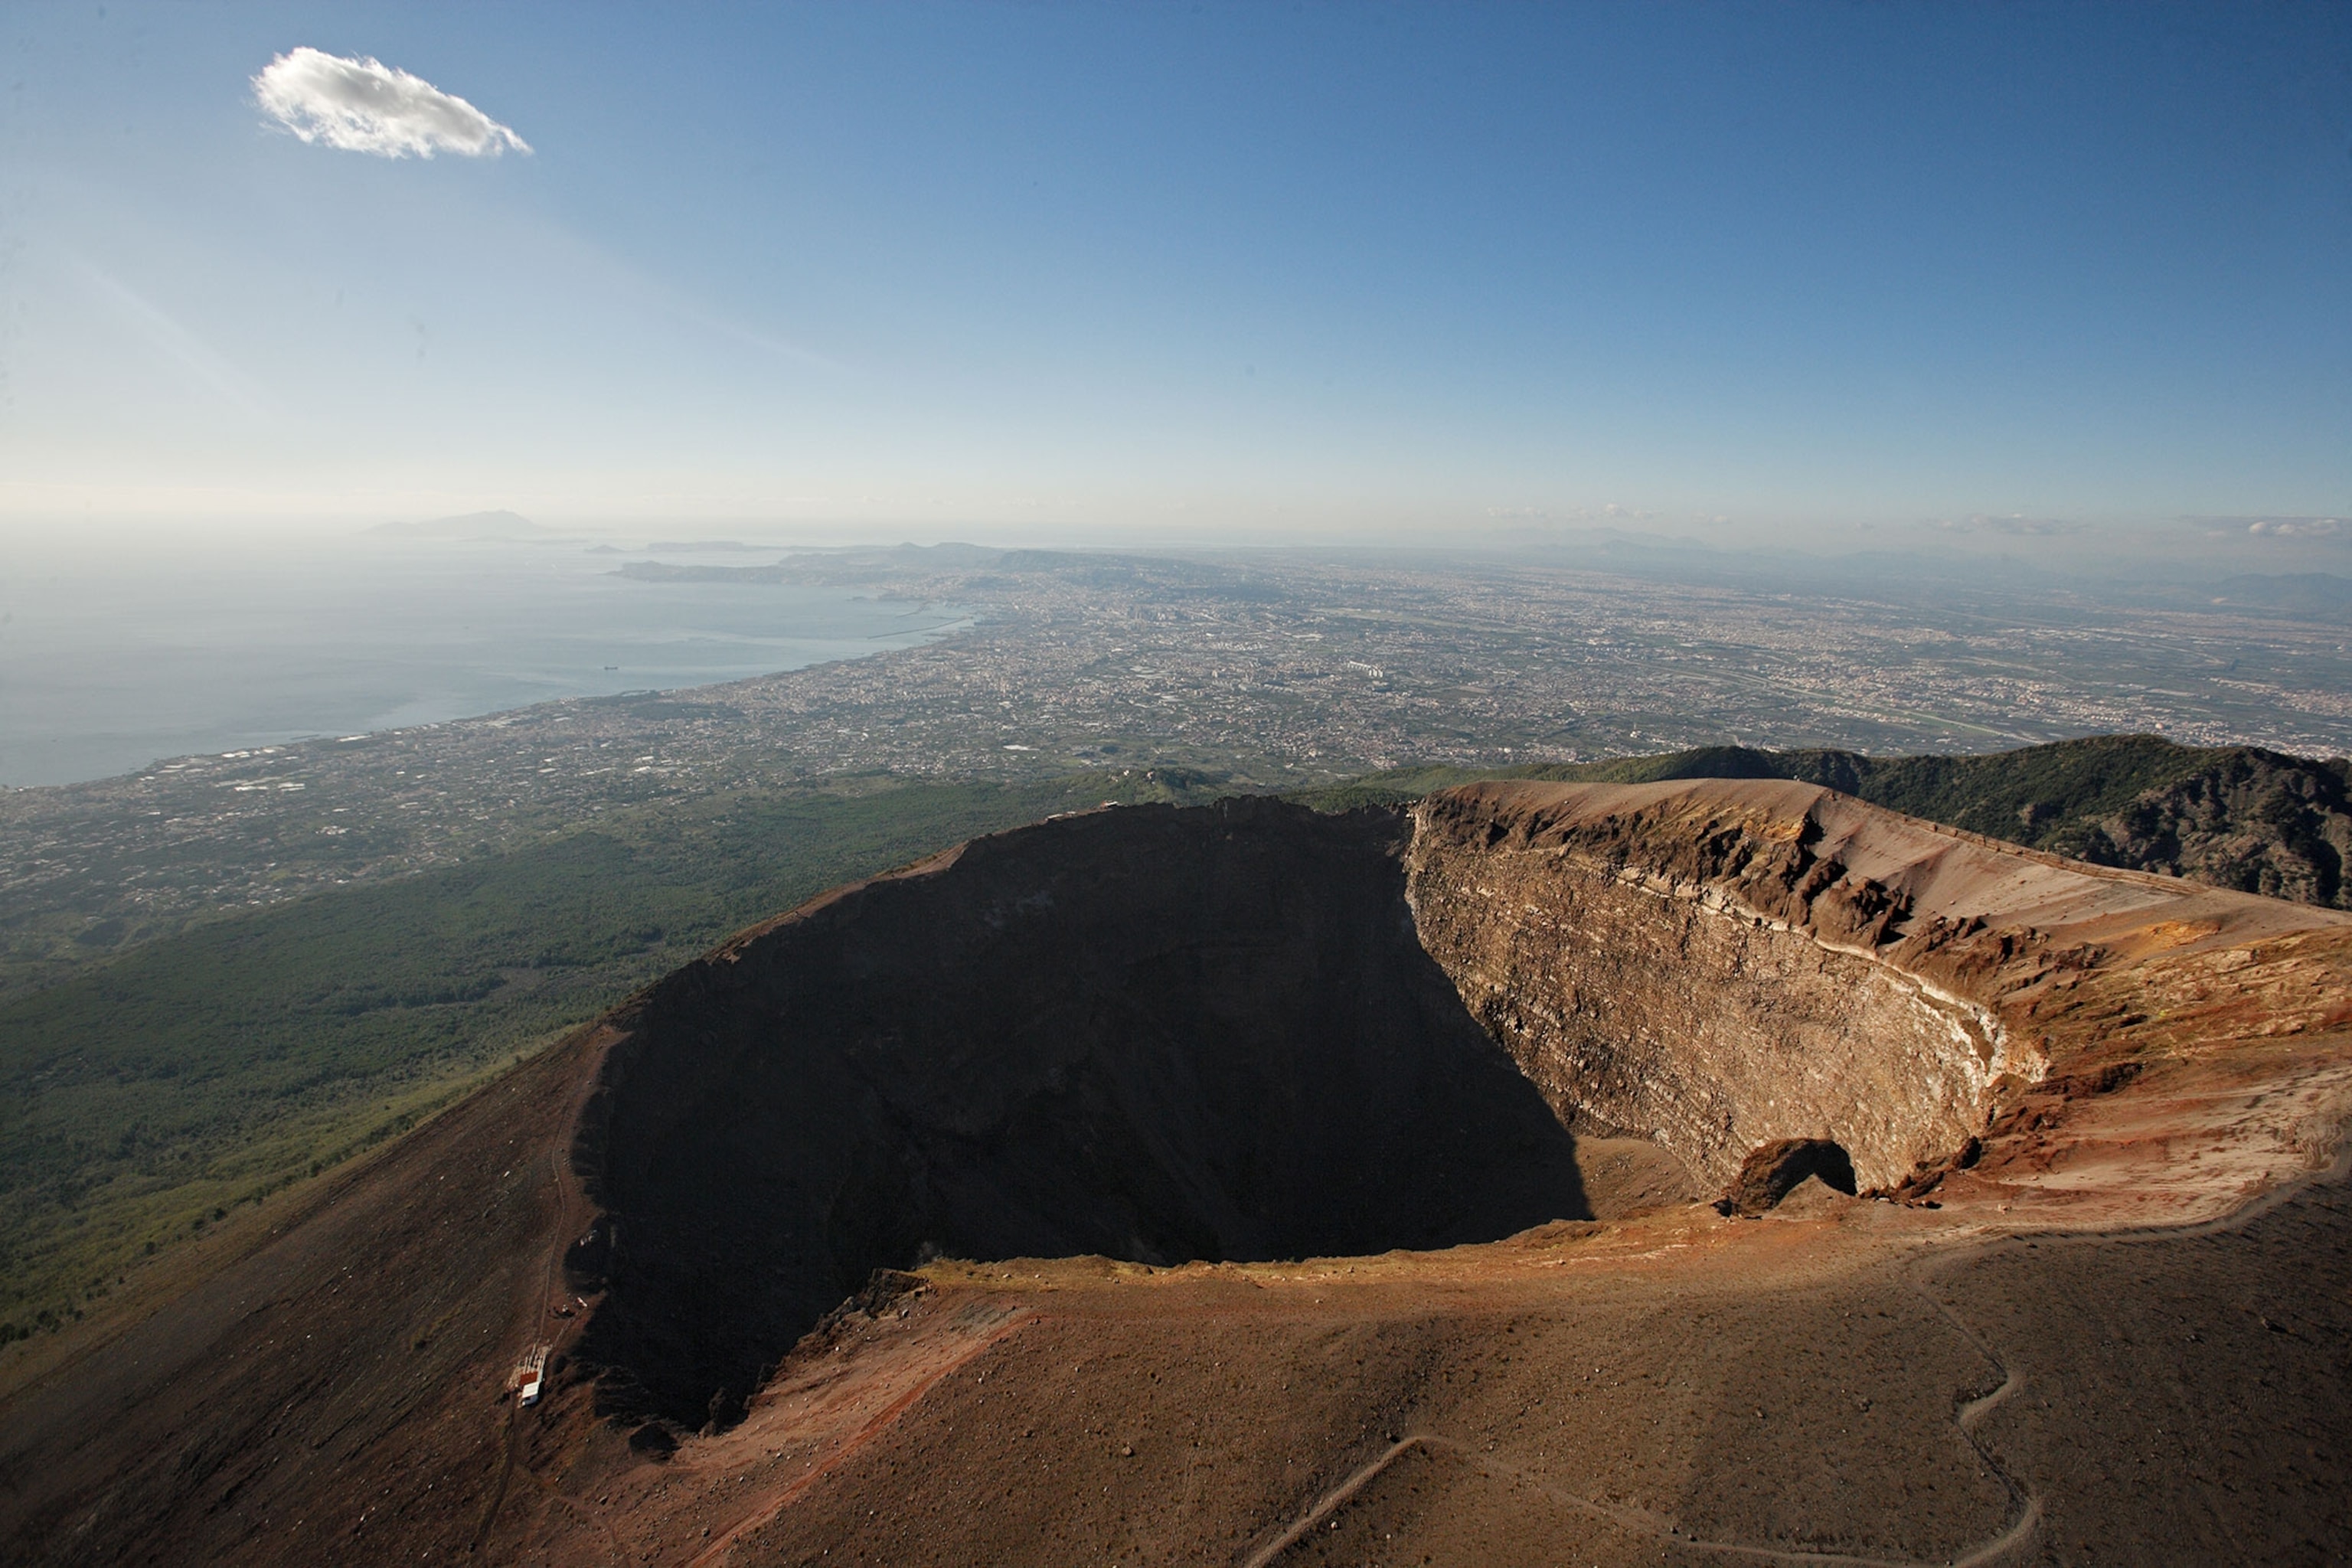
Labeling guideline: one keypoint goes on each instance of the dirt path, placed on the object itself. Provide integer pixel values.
(572, 1213)
(1631, 1521)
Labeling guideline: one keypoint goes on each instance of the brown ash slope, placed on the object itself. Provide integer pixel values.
(325, 1384)
(1254, 1032)
(1152, 1033)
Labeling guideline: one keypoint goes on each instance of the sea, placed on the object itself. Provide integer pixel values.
(119, 652)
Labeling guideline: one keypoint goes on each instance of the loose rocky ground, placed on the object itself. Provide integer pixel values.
(2106, 1323)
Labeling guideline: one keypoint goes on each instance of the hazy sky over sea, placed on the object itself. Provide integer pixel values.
(111, 659)
(1746, 272)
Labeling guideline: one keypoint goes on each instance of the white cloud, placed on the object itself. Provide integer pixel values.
(366, 106)
(2335, 528)
(2296, 526)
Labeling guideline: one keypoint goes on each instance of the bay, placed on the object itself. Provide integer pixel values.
(117, 653)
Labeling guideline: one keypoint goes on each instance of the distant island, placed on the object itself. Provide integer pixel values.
(472, 525)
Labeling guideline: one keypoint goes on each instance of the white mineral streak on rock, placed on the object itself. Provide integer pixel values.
(1711, 1030)
(1718, 964)
(1974, 1026)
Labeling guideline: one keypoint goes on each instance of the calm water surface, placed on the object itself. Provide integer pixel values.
(114, 655)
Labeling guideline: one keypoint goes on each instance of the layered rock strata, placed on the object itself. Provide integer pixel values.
(1718, 964)
(1251, 1032)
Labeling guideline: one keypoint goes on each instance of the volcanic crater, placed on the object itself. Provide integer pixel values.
(1252, 1032)
(1254, 1186)
(1152, 1033)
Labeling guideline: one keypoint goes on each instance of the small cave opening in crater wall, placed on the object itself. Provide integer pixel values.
(1154, 1033)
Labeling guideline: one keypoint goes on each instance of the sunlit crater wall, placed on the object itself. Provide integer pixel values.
(1712, 985)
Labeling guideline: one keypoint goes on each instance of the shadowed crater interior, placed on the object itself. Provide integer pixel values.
(1155, 1034)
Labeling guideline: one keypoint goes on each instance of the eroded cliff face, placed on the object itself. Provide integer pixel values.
(1252, 1032)
(1703, 977)
(1716, 964)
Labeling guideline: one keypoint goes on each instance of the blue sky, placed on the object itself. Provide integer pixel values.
(1192, 272)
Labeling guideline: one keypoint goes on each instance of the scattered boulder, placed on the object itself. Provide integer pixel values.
(1813, 1199)
(1772, 1171)
(653, 1441)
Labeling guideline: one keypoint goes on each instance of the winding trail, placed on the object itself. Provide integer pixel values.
(2024, 1504)
(2018, 1533)
(2018, 1530)
(572, 1207)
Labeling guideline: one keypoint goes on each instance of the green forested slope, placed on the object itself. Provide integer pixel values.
(146, 1097)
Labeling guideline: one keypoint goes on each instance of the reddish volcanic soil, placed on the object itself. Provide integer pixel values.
(2099, 1313)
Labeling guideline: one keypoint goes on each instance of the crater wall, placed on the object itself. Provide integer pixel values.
(1707, 980)
(1152, 1033)
(1252, 1032)
(1718, 964)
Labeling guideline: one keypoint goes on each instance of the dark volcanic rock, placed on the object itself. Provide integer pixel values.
(2240, 817)
(2255, 821)
(1154, 1033)
(1773, 1170)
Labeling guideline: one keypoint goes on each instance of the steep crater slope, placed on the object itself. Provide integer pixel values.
(1252, 1032)
(1717, 965)
(1713, 977)
(1160, 1034)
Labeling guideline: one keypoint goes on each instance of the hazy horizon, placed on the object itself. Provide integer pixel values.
(2042, 281)
(2181, 550)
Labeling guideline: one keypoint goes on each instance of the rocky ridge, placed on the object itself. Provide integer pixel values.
(1252, 1032)
(1139, 1065)
(1716, 964)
